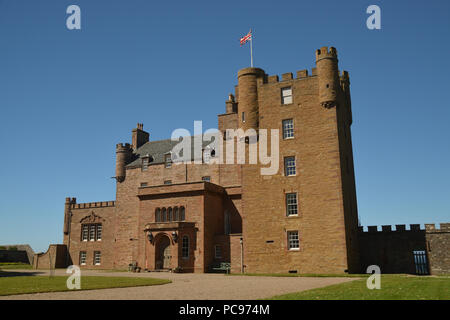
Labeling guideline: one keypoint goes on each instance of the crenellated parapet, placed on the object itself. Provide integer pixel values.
(431, 228)
(88, 205)
(389, 228)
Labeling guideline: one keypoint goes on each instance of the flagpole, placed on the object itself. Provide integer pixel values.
(251, 50)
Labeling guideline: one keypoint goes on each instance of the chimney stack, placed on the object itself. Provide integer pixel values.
(139, 136)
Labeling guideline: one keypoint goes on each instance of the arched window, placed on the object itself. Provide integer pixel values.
(185, 247)
(169, 214)
(182, 214)
(158, 215)
(175, 214)
(163, 215)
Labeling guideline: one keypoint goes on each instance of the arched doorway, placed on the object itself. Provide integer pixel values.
(163, 253)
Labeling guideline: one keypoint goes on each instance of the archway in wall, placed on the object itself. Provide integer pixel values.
(163, 253)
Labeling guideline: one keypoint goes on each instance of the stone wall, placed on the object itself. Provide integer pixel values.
(438, 247)
(391, 250)
(55, 257)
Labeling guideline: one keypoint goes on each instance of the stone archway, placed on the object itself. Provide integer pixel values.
(163, 253)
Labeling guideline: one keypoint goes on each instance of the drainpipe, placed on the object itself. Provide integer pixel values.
(242, 255)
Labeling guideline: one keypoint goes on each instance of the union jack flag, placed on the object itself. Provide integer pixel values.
(246, 38)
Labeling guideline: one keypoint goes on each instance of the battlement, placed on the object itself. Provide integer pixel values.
(300, 75)
(101, 204)
(123, 146)
(325, 52)
(288, 76)
(444, 227)
(388, 228)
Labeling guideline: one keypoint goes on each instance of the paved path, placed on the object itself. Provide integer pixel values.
(188, 286)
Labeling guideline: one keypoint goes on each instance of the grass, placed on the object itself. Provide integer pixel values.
(14, 265)
(393, 287)
(34, 284)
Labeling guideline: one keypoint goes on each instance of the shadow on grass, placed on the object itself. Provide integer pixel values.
(4, 274)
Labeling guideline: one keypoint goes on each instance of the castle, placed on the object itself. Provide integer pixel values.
(194, 217)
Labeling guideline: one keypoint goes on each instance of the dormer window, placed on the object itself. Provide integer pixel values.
(144, 164)
(168, 160)
(146, 161)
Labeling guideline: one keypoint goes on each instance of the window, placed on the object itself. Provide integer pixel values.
(286, 95)
(289, 166)
(144, 163)
(293, 241)
(182, 214)
(185, 247)
(144, 184)
(82, 258)
(218, 252)
(85, 232)
(243, 116)
(206, 178)
(168, 160)
(99, 232)
(158, 215)
(163, 215)
(206, 155)
(175, 214)
(291, 204)
(92, 232)
(97, 258)
(169, 214)
(168, 182)
(288, 129)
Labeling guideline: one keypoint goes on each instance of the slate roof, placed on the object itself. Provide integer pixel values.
(157, 150)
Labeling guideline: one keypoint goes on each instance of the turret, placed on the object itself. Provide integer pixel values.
(328, 75)
(248, 97)
(123, 156)
(230, 104)
(139, 136)
(67, 212)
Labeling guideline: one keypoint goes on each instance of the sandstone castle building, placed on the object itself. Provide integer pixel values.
(193, 217)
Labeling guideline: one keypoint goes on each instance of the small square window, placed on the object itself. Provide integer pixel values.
(286, 95)
(291, 204)
(288, 128)
(206, 178)
(82, 258)
(289, 166)
(293, 240)
(168, 182)
(144, 184)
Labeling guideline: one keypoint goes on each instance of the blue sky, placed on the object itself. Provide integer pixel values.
(67, 97)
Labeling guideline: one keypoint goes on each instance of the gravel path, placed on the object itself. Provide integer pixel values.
(188, 287)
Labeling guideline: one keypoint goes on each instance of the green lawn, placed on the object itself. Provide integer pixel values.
(33, 284)
(14, 265)
(393, 287)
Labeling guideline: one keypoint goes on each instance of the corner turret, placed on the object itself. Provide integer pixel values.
(328, 74)
(124, 153)
(248, 97)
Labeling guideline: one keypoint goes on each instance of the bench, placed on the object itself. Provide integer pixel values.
(221, 266)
